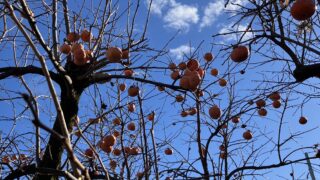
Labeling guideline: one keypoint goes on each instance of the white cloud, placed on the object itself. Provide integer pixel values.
(211, 12)
(157, 6)
(175, 15)
(235, 36)
(214, 9)
(234, 5)
(180, 51)
(181, 17)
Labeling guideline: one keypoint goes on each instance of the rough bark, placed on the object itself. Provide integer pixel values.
(302, 73)
(54, 149)
(69, 103)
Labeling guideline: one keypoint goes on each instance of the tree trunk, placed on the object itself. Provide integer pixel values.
(54, 149)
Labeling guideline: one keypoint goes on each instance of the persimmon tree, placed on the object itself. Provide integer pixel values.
(85, 96)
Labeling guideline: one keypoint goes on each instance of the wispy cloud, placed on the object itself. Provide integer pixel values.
(158, 6)
(211, 12)
(214, 9)
(228, 30)
(181, 17)
(175, 15)
(181, 50)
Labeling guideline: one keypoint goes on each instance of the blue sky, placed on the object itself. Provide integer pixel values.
(198, 21)
(191, 22)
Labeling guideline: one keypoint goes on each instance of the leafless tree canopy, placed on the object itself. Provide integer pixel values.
(84, 96)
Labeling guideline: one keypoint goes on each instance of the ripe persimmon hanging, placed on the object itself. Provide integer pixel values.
(65, 48)
(109, 140)
(215, 112)
(275, 96)
(239, 54)
(73, 36)
(114, 54)
(208, 56)
(182, 66)
(193, 65)
(223, 82)
(262, 112)
(133, 91)
(260, 103)
(116, 152)
(122, 87)
(79, 57)
(86, 35)
(303, 9)
(168, 151)
(214, 72)
(303, 120)
(131, 126)
(247, 135)
(89, 153)
(236, 119)
(276, 104)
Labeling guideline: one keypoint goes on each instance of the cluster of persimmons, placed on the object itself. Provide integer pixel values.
(190, 75)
